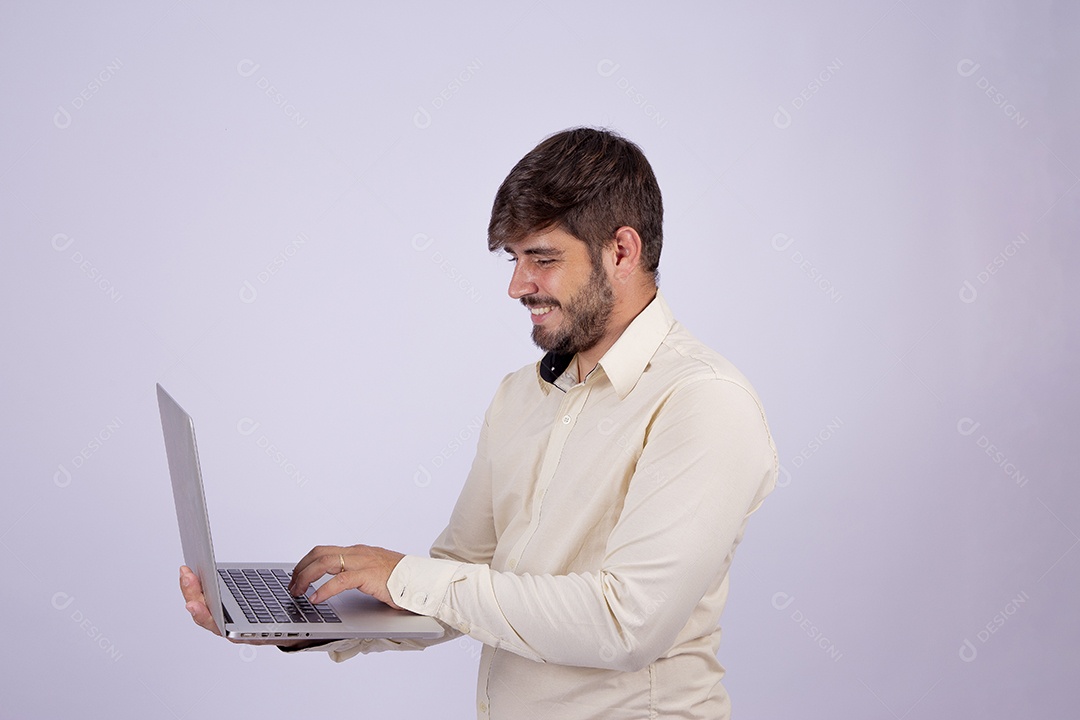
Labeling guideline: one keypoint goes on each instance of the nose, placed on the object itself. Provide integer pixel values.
(521, 283)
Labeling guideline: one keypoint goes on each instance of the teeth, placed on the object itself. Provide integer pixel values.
(540, 310)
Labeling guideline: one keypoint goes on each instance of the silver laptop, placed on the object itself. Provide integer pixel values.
(250, 600)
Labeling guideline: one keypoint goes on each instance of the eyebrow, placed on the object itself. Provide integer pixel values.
(545, 250)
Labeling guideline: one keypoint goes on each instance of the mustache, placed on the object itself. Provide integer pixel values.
(531, 301)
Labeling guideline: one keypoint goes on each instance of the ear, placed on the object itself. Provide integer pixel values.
(627, 252)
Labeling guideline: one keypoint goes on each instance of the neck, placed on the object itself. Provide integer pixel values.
(622, 315)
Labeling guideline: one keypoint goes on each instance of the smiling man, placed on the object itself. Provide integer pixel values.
(590, 547)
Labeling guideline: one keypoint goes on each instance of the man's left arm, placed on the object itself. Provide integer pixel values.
(707, 464)
(469, 537)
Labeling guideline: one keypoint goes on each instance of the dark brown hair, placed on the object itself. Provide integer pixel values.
(590, 183)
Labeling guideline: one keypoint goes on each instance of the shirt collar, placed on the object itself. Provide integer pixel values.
(625, 361)
(552, 366)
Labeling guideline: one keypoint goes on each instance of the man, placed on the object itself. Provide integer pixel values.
(589, 549)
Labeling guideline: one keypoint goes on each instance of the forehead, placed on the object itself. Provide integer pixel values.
(551, 241)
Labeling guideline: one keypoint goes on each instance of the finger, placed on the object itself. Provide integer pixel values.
(320, 561)
(339, 583)
(194, 602)
(202, 617)
(366, 568)
(190, 585)
(295, 586)
(361, 580)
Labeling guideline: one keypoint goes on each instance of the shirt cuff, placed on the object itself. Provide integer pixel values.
(420, 584)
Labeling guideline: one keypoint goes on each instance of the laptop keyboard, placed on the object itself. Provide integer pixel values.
(263, 595)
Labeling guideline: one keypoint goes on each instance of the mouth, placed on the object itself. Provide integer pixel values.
(540, 313)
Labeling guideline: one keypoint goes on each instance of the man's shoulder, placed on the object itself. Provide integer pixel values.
(524, 379)
(685, 358)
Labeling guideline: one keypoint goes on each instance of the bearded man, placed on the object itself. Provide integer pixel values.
(613, 479)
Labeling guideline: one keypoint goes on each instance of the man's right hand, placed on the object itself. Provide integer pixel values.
(200, 613)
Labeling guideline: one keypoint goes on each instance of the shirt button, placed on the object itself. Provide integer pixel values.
(483, 706)
(566, 420)
(464, 628)
(513, 563)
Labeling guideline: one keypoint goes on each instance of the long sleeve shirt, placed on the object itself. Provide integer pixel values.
(589, 549)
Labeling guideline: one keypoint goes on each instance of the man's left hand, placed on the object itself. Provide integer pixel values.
(362, 567)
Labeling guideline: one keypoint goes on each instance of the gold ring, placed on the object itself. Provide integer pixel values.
(342, 559)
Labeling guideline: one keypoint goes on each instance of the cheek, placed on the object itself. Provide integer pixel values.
(547, 285)
(561, 284)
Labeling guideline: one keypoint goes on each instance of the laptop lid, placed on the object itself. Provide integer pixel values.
(183, 455)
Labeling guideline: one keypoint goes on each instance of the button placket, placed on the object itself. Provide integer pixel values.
(485, 668)
(569, 408)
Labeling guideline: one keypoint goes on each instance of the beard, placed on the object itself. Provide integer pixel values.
(585, 317)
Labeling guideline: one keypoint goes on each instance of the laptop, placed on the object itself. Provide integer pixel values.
(251, 600)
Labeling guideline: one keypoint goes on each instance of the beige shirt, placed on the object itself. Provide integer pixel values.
(590, 547)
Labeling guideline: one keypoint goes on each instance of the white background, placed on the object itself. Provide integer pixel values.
(280, 214)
